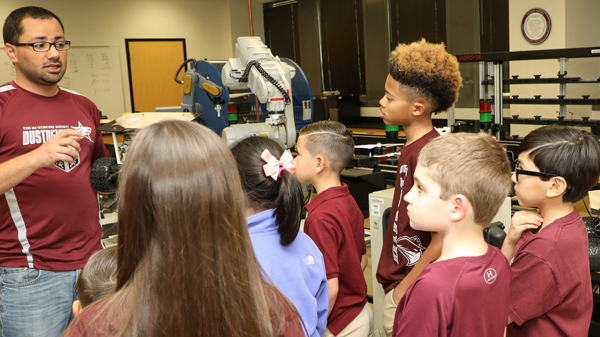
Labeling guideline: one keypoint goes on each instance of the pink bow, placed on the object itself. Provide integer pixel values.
(273, 167)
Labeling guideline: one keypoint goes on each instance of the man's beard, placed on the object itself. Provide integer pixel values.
(42, 77)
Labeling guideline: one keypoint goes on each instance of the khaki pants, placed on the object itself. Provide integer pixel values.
(389, 312)
(361, 326)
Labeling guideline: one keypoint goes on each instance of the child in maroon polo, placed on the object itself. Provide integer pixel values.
(465, 292)
(551, 291)
(336, 225)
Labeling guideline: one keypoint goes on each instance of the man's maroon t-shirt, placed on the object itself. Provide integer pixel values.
(51, 219)
(462, 297)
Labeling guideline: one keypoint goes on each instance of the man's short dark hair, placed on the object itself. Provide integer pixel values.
(571, 153)
(13, 28)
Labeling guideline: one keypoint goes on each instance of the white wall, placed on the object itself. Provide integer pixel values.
(204, 24)
(526, 69)
(240, 19)
(556, 10)
(583, 30)
(574, 25)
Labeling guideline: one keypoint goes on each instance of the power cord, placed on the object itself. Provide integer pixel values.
(586, 207)
(265, 74)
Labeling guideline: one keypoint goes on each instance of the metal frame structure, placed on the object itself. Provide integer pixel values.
(490, 65)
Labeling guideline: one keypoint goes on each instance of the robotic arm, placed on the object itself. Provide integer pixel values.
(255, 68)
(191, 81)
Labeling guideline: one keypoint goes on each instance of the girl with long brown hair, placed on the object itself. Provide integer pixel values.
(185, 261)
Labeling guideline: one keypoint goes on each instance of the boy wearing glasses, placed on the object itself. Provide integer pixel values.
(49, 223)
(551, 292)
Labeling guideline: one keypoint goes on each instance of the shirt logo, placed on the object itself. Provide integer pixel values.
(410, 247)
(66, 166)
(87, 131)
(489, 276)
(39, 134)
(403, 170)
(308, 259)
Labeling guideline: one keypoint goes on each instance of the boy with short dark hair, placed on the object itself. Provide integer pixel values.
(465, 292)
(551, 292)
(424, 79)
(336, 225)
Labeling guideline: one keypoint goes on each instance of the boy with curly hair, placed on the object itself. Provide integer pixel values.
(465, 292)
(551, 291)
(336, 225)
(424, 79)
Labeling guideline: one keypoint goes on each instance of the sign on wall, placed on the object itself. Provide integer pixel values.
(536, 25)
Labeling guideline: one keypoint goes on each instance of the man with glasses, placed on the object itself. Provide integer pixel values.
(49, 223)
(551, 291)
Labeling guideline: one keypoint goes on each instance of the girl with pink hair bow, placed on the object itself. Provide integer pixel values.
(274, 201)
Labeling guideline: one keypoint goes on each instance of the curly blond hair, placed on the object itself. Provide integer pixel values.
(426, 70)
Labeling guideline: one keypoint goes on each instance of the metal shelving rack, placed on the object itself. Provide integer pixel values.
(490, 75)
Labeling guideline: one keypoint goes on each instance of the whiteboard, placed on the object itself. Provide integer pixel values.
(94, 72)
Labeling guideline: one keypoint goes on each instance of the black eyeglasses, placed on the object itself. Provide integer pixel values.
(531, 173)
(45, 46)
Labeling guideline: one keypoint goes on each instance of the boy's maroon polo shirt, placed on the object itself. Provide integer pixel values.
(551, 287)
(465, 296)
(336, 225)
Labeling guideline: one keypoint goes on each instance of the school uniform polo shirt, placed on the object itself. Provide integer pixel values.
(464, 297)
(551, 289)
(336, 225)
